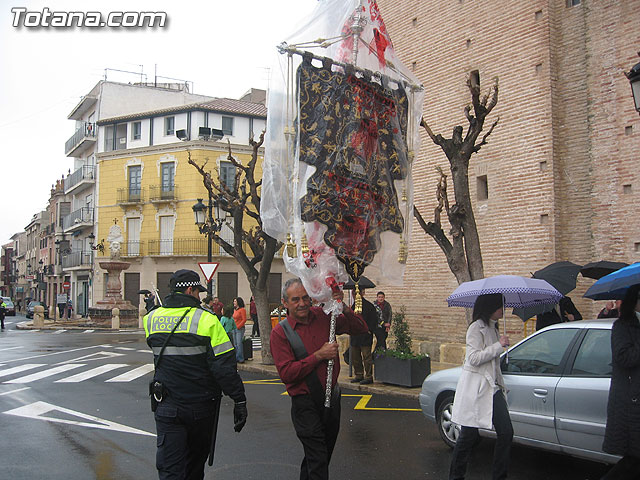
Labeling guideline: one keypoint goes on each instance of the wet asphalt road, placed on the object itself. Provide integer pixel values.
(65, 385)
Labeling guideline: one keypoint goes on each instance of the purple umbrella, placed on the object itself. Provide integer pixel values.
(518, 291)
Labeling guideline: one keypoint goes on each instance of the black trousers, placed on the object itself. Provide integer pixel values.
(628, 467)
(381, 338)
(255, 330)
(469, 436)
(317, 428)
(184, 438)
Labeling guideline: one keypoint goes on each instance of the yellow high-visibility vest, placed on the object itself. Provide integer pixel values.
(196, 322)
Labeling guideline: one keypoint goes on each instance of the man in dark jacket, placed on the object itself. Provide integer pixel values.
(564, 311)
(384, 312)
(360, 345)
(194, 365)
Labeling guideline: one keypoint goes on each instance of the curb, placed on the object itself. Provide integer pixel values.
(374, 388)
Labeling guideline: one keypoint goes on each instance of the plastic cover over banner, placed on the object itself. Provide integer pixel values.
(342, 133)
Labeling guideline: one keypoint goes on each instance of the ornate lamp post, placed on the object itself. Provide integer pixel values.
(209, 226)
(634, 80)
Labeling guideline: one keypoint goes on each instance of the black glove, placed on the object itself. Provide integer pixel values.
(239, 415)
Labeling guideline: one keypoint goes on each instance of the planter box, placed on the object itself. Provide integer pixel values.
(247, 348)
(404, 372)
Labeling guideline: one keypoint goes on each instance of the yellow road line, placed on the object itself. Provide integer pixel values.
(364, 400)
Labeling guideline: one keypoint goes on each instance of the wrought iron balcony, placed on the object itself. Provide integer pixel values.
(187, 246)
(77, 220)
(163, 193)
(130, 196)
(81, 177)
(84, 137)
(77, 259)
(132, 249)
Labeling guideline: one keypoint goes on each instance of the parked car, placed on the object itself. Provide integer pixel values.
(33, 304)
(558, 383)
(10, 309)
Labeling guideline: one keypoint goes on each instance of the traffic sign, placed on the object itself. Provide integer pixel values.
(208, 269)
(66, 285)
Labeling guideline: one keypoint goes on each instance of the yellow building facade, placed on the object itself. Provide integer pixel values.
(149, 193)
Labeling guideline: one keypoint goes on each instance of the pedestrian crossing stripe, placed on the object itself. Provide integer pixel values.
(39, 410)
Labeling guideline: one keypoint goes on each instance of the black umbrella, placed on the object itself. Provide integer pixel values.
(562, 276)
(364, 282)
(144, 292)
(599, 269)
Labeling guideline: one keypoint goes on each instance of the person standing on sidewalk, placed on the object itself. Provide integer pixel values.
(480, 394)
(3, 312)
(361, 344)
(240, 317)
(305, 378)
(195, 364)
(253, 311)
(383, 309)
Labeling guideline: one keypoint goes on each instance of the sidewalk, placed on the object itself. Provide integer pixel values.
(255, 365)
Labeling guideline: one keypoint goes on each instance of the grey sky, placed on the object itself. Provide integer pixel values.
(224, 48)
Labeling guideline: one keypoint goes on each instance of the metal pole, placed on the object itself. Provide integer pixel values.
(209, 240)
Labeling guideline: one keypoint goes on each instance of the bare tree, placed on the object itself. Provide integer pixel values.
(463, 249)
(252, 248)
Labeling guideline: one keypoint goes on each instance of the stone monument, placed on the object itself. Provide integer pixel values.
(100, 314)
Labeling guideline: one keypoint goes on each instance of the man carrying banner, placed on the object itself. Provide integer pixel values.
(300, 353)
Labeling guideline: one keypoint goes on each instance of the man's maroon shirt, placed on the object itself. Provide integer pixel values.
(314, 335)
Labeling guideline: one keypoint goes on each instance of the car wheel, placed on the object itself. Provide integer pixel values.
(449, 431)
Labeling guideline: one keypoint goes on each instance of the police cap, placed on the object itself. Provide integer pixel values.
(183, 279)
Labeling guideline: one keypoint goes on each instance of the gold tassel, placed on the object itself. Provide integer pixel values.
(358, 308)
(402, 252)
(292, 249)
(304, 246)
(404, 195)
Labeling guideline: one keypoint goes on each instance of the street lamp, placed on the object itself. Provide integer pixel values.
(634, 80)
(208, 226)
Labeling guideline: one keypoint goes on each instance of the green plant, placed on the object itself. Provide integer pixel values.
(400, 330)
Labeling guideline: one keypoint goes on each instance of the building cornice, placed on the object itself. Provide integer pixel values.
(176, 147)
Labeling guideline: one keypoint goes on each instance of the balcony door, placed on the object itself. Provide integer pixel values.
(166, 235)
(168, 179)
(135, 182)
(133, 236)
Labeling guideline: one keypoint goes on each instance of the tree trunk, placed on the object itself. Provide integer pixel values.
(264, 321)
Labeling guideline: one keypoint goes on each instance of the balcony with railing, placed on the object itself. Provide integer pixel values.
(163, 193)
(188, 246)
(78, 220)
(80, 179)
(130, 196)
(77, 259)
(132, 248)
(84, 138)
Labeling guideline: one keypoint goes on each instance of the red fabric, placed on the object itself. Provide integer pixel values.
(240, 317)
(314, 335)
(253, 310)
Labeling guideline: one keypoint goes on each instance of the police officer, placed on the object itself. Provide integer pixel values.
(196, 365)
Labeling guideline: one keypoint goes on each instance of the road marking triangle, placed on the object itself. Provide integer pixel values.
(39, 410)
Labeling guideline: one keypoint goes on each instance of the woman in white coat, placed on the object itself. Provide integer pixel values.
(480, 395)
